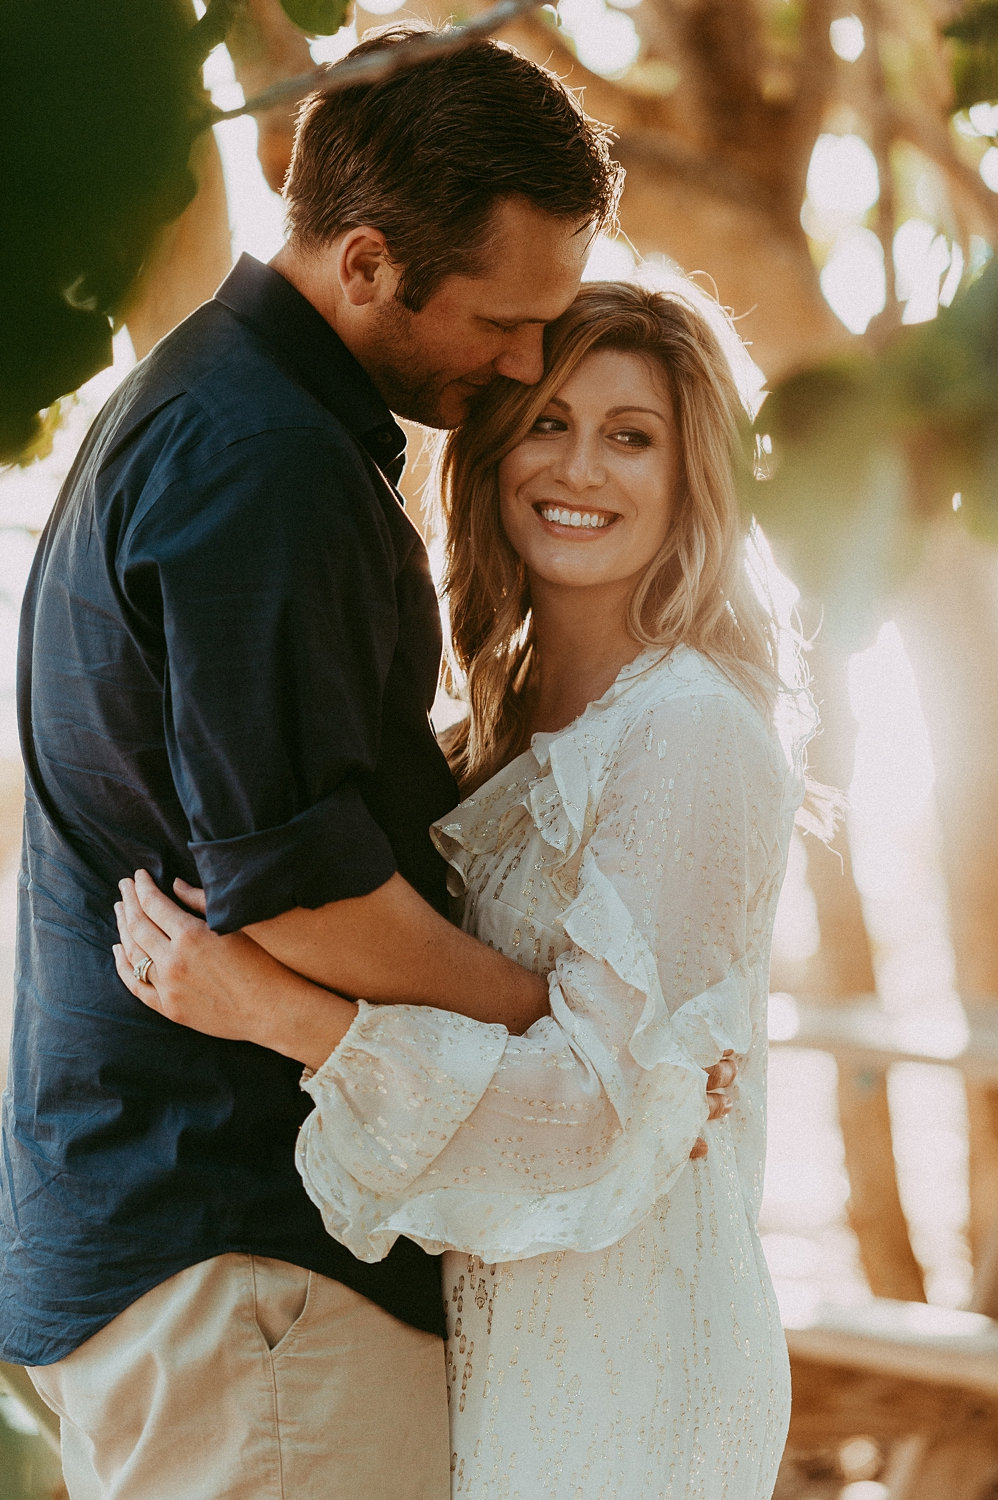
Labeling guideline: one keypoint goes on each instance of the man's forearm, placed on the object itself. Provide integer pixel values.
(391, 946)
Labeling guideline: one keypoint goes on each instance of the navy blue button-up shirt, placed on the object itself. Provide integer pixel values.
(229, 647)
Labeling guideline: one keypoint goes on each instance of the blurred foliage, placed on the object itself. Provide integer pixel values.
(98, 108)
(100, 102)
(317, 17)
(864, 446)
(975, 54)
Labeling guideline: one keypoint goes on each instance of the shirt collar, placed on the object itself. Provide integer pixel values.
(305, 343)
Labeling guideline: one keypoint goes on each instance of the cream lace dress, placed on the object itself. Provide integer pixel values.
(612, 1325)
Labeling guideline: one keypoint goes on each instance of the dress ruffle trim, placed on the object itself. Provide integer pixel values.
(715, 1021)
(560, 801)
(373, 1181)
(557, 798)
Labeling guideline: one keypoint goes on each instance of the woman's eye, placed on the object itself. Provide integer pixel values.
(631, 437)
(548, 424)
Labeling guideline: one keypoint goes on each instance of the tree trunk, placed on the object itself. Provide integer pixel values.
(843, 968)
(191, 256)
(950, 626)
(266, 47)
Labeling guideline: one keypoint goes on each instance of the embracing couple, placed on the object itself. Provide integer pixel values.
(487, 1244)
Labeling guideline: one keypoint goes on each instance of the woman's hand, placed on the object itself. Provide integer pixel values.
(226, 986)
(720, 1080)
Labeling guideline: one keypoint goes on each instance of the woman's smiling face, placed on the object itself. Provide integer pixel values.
(586, 498)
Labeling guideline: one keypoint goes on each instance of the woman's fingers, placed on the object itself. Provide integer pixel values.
(720, 1079)
(158, 908)
(142, 931)
(133, 953)
(718, 1104)
(152, 927)
(722, 1075)
(126, 973)
(192, 896)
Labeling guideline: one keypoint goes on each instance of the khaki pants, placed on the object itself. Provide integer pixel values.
(249, 1379)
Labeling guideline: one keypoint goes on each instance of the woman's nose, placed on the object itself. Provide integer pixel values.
(579, 464)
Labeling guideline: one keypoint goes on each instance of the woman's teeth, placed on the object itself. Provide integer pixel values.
(590, 519)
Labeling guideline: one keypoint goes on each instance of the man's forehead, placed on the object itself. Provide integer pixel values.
(529, 277)
(516, 225)
(517, 304)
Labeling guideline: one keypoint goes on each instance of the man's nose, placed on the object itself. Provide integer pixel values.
(523, 357)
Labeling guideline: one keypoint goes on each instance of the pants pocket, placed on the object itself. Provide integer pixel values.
(280, 1296)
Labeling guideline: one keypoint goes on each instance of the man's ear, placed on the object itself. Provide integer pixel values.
(364, 269)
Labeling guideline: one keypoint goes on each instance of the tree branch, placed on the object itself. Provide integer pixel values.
(607, 99)
(372, 67)
(266, 48)
(705, 171)
(878, 114)
(725, 38)
(934, 143)
(814, 73)
(816, 59)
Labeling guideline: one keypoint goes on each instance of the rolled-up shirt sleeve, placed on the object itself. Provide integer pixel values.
(270, 576)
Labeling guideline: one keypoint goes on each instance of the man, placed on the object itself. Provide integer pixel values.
(230, 645)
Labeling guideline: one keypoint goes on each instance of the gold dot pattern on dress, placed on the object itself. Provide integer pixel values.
(612, 1330)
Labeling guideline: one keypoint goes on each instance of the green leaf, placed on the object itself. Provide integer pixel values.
(979, 23)
(99, 104)
(865, 450)
(975, 54)
(317, 17)
(828, 507)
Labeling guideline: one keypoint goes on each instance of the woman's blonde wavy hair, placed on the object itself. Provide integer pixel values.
(697, 590)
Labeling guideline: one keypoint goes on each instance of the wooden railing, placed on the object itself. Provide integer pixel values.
(921, 1380)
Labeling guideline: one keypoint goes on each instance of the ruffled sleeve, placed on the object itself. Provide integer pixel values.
(460, 1136)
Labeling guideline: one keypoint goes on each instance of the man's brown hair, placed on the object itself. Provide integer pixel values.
(425, 155)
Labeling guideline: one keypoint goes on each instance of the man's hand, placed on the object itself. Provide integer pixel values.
(720, 1081)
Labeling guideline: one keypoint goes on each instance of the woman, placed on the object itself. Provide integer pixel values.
(612, 1325)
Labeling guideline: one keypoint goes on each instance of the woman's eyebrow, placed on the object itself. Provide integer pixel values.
(614, 411)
